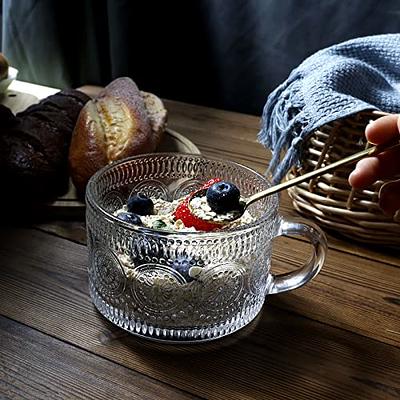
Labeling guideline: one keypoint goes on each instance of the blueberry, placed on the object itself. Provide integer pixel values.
(140, 204)
(182, 265)
(130, 217)
(223, 197)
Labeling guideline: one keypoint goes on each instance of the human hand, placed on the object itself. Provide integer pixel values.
(385, 165)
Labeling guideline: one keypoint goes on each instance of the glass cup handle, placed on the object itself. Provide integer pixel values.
(292, 280)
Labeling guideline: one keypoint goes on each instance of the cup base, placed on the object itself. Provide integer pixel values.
(120, 318)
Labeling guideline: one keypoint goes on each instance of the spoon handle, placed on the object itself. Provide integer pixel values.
(371, 151)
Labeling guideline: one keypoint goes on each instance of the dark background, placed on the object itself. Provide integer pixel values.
(224, 54)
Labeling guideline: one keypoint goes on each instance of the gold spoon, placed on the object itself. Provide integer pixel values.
(245, 203)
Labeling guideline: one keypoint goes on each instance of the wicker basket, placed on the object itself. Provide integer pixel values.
(329, 199)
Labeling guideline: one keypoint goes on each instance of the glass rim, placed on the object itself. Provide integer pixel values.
(92, 201)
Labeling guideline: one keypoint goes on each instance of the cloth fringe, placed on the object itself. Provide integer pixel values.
(284, 126)
(360, 74)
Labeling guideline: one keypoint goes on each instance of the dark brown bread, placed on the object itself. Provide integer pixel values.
(112, 126)
(34, 147)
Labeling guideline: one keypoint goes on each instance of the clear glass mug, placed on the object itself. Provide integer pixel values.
(132, 278)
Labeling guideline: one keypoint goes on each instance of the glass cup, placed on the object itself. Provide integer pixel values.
(133, 278)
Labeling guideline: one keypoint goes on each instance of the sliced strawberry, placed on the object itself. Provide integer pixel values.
(209, 184)
(183, 212)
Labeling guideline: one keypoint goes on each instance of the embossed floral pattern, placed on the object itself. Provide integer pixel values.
(186, 187)
(107, 272)
(155, 287)
(152, 188)
(113, 201)
(221, 285)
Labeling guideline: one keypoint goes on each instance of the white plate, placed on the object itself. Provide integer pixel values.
(5, 83)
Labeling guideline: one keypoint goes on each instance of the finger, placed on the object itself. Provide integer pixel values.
(389, 197)
(371, 169)
(383, 129)
(365, 173)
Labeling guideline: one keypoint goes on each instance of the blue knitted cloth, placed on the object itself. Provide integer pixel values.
(341, 80)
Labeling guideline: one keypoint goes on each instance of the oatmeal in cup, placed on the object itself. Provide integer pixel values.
(204, 210)
(156, 272)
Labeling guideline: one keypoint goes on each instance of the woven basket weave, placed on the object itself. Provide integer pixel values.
(329, 199)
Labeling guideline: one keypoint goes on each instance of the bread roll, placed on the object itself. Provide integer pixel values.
(157, 115)
(119, 122)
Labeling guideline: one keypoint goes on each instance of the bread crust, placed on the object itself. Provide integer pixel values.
(87, 151)
(34, 147)
(114, 125)
(157, 114)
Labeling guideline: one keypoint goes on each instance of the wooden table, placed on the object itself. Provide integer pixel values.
(336, 338)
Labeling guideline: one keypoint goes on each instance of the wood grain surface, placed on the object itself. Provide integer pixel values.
(336, 338)
(44, 285)
(38, 366)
